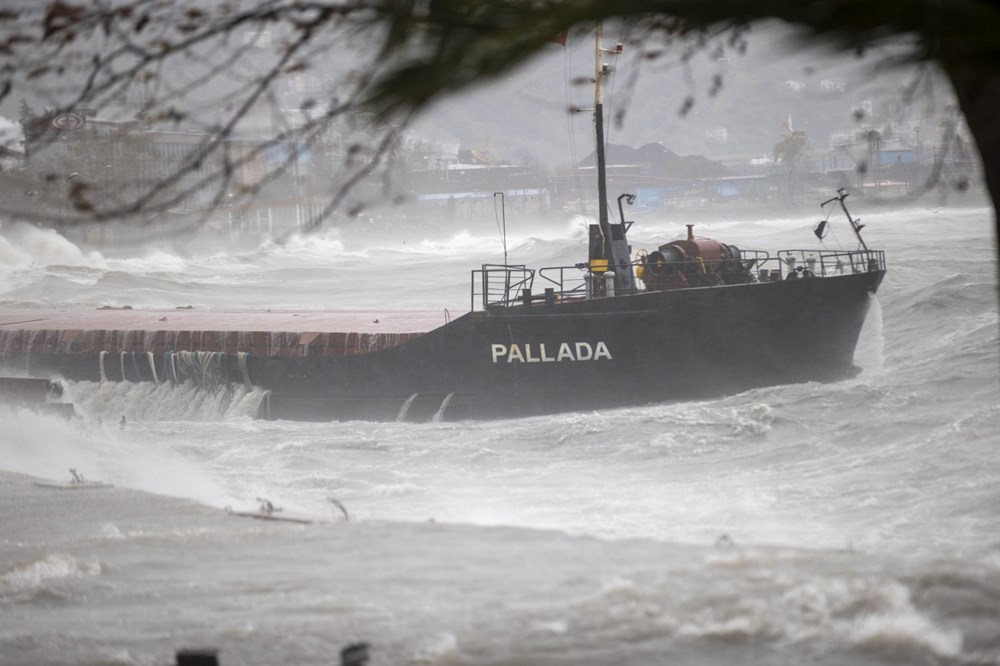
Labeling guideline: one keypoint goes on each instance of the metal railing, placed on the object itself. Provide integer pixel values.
(567, 281)
(499, 286)
(829, 263)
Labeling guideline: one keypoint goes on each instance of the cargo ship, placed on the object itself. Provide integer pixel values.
(692, 319)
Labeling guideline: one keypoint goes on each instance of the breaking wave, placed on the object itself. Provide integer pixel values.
(28, 580)
(147, 401)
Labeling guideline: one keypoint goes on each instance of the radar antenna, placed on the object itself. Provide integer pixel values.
(855, 223)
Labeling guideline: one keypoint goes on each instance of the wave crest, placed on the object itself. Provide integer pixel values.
(28, 580)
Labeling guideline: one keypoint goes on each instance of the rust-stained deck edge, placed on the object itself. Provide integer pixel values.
(257, 332)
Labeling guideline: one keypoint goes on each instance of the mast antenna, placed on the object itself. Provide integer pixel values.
(614, 248)
(855, 222)
(602, 69)
(502, 223)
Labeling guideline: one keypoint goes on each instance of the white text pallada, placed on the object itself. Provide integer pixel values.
(568, 351)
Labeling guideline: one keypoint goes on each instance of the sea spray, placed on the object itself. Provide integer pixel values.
(24, 246)
(132, 454)
(869, 353)
(405, 409)
(148, 401)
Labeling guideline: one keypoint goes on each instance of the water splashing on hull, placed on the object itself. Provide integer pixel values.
(404, 410)
(147, 401)
(439, 415)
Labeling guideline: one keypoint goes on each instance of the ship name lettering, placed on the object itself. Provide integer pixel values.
(538, 353)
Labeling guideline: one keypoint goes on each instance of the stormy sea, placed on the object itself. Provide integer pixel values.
(855, 522)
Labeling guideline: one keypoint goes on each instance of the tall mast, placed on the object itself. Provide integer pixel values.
(615, 247)
(602, 185)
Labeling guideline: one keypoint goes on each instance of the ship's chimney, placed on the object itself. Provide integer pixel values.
(690, 232)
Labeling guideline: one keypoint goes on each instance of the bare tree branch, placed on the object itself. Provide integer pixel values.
(198, 65)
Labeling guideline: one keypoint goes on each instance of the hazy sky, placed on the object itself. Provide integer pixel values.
(525, 113)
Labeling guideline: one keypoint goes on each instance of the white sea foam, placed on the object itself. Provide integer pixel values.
(25, 246)
(32, 576)
(440, 648)
(324, 245)
(152, 261)
(870, 352)
(110, 531)
(907, 635)
(148, 401)
(101, 452)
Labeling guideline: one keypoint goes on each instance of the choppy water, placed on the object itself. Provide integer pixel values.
(861, 519)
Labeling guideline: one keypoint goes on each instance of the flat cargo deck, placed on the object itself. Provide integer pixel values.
(257, 332)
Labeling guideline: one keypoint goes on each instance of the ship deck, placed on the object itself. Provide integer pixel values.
(183, 319)
(259, 332)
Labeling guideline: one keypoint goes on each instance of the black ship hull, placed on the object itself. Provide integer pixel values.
(630, 350)
(519, 359)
